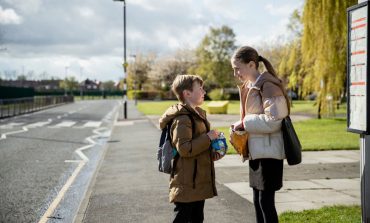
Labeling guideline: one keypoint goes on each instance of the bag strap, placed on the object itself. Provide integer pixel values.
(284, 94)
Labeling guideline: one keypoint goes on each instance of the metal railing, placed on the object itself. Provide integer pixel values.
(19, 106)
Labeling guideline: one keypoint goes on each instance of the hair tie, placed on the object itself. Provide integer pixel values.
(259, 58)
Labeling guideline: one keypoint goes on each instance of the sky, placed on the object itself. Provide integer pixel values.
(84, 38)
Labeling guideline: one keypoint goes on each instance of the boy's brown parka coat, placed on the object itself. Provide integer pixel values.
(194, 174)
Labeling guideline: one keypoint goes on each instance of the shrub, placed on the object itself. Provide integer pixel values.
(216, 95)
(145, 95)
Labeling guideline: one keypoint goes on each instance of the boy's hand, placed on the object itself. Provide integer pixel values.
(216, 156)
(213, 134)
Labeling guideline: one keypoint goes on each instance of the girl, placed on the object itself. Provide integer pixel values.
(263, 104)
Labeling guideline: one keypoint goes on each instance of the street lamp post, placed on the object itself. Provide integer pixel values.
(124, 59)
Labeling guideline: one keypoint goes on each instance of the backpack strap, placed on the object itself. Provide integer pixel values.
(165, 134)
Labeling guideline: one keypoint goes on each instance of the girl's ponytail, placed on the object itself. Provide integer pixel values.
(268, 66)
(272, 71)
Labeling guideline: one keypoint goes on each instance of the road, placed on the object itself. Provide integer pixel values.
(48, 158)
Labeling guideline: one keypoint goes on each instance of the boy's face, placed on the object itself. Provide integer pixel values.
(195, 97)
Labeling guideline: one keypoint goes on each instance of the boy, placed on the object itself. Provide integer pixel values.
(193, 177)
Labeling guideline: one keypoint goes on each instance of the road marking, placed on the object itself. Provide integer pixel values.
(72, 161)
(92, 124)
(3, 136)
(65, 124)
(11, 125)
(108, 117)
(61, 193)
(71, 179)
(37, 124)
(83, 161)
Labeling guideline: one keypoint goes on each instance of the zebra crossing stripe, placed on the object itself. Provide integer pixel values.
(65, 124)
(92, 124)
(37, 124)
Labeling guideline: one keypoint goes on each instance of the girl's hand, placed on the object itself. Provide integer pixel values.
(237, 126)
(216, 156)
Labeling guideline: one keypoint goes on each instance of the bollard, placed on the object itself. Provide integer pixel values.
(125, 109)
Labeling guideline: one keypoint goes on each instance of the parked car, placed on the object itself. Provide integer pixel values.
(312, 96)
(291, 94)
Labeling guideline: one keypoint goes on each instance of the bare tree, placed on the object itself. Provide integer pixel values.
(167, 68)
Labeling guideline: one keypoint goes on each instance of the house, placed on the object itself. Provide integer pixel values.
(89, 85)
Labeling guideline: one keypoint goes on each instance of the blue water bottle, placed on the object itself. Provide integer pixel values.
(219, 145)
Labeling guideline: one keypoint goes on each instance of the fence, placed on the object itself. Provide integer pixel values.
(13, 107)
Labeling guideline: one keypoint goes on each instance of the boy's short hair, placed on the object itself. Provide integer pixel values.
(184, 82)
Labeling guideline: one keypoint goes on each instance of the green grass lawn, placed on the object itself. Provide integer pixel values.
(330, 214)
(315, 134)
(326, 134)
(299, 107)
(310, 108)
(318, 134)
(154, 107)
(159, 107)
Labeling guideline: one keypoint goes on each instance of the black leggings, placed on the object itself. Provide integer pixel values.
(189, 212)
(264, 204)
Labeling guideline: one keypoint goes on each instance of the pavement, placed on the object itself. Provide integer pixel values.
(127, 186)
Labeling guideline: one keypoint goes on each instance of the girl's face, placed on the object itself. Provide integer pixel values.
(195, 97)
(243, 71)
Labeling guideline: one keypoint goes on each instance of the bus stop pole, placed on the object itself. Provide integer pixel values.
(365, 168)
(365, 177)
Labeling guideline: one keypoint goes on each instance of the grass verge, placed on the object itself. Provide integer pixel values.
(299, 107)
(318, 134)
(329, 214)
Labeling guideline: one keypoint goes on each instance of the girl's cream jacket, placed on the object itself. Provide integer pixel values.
(262, 108)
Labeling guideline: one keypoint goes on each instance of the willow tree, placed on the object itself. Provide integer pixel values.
(290, 65)
(324, 42)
